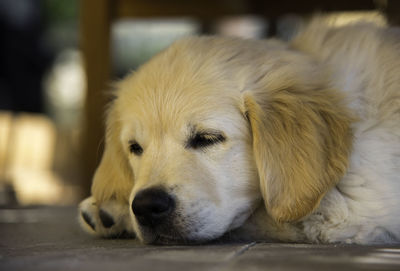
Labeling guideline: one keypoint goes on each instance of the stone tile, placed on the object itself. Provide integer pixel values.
(50, 239)
(264, 256)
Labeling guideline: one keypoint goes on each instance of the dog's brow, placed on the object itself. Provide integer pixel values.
(195, 130)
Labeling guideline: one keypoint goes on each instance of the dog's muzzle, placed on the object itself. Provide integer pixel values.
(152, 207)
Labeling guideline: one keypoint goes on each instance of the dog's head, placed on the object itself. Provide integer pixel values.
(210, 128)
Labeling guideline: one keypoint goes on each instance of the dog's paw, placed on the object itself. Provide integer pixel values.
(111, 219)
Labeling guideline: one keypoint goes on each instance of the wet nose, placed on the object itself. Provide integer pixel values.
(152, 206)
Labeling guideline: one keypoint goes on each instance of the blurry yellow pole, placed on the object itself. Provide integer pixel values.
(95, 20)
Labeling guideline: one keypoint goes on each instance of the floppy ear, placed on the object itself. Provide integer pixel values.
(113, 178)
(301, 141)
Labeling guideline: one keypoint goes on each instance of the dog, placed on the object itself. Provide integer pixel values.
(256, 140)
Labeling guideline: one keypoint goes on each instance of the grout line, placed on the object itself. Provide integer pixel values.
(239, 252)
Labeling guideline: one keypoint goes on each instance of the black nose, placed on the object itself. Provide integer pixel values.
(152, 206)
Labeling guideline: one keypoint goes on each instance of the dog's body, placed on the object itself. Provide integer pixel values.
(294, 142)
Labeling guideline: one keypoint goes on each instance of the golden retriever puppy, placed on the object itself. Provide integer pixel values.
(258, 140)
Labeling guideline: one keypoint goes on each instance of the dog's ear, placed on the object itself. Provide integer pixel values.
(301, 144)
(113, 178)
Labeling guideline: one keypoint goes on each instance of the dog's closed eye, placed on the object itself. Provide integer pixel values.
(204, 139)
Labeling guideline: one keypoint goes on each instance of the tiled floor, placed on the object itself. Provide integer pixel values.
(50, 239)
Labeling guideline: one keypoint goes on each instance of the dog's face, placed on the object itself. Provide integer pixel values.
(196, 138)
(189, 147)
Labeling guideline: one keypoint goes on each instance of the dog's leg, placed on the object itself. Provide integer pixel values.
(110, 219)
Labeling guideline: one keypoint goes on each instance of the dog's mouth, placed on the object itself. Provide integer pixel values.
(160, 218)
(164, 239)
(162, 236)
(185, 230)
(179, 239)
(178, 233)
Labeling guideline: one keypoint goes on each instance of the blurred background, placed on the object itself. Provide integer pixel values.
(58, 57)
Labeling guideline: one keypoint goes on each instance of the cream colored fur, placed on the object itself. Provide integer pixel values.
(312, 150)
